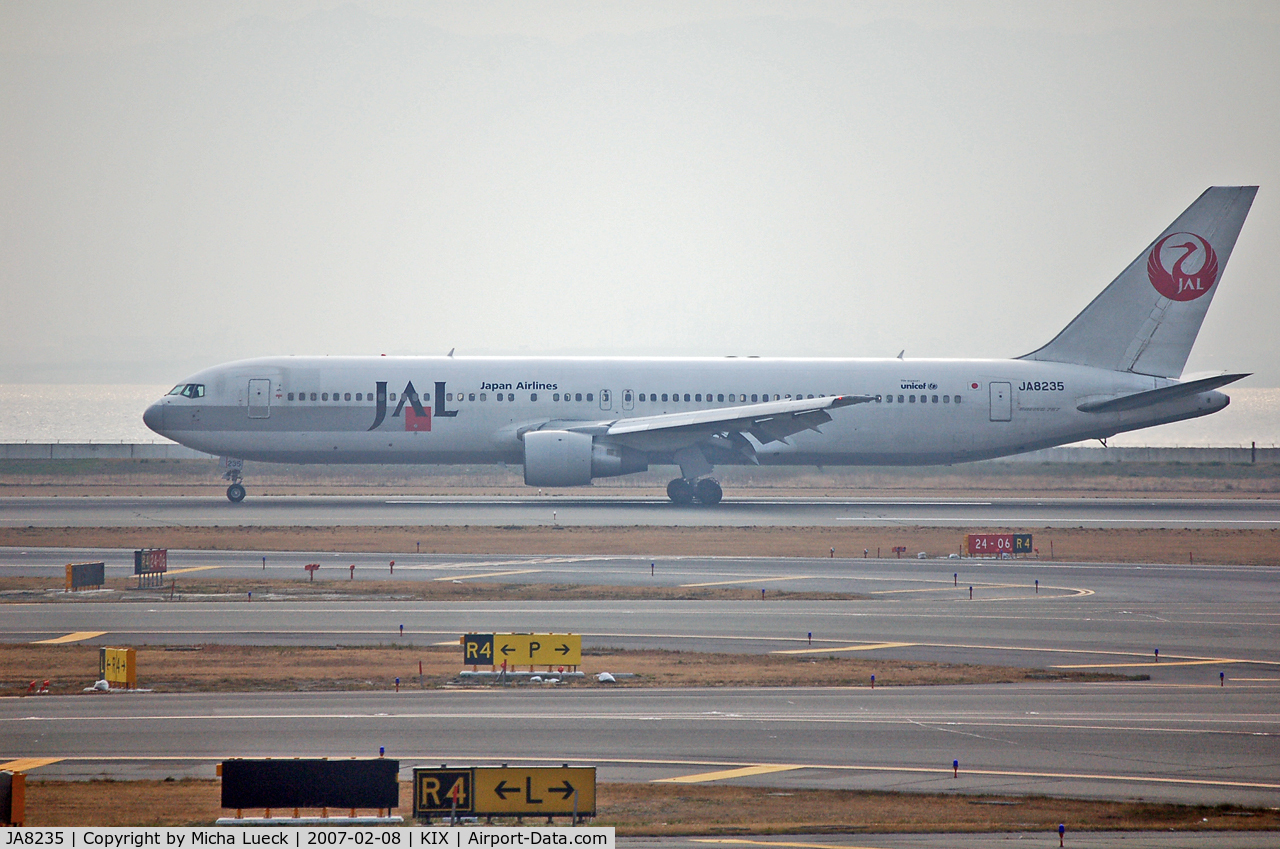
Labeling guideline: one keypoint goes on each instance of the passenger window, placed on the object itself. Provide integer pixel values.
(448, 396)
(935, 399)
(511, 396)
(484, 396)
(720, 397)
(754, 397)
(698, 397)
(589, 398)
(359, 396)
(313, 396)
(577, 396)
(877, 399)
(911, 399)
(471, 397)
(392, 396)
(324, 396)
(899, 399)
(946, 399)
(290, 396)
(810, 396)
(889, 399)
(533, 396)
(957, 399)
(731, 396)
(346, 396)
(626, 397)
(555, 396)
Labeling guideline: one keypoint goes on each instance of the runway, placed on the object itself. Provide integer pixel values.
(284, 511)
(1172, 743)
(1203, 619)
(1184, 735)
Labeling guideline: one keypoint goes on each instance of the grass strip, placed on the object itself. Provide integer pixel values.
(663, 809)
(1226, 546)
(69, 668)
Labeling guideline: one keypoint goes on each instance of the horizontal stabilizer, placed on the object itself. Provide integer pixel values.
(1159, 396)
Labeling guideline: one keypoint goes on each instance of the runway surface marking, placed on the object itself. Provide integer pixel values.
(73, 637)
(25, 764)
(195, 569)
(487, 575)
(721, 775)
(750, 581)
(866, 647)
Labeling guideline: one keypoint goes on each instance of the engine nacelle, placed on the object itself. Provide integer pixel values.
(565, 458)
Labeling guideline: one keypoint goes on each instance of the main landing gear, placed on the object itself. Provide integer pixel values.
(682, 491)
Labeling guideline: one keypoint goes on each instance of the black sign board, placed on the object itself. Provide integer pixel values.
(310, 783)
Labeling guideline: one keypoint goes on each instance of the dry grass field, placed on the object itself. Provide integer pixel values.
(665, 809)
(221, 668)
(1120, 545)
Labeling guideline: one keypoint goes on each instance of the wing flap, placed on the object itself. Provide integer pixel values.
(767, 421)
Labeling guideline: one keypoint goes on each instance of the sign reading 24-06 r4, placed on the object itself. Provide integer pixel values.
(536, 790)
(522, 649)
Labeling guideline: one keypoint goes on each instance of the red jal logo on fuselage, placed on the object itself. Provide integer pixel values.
(1182, 266)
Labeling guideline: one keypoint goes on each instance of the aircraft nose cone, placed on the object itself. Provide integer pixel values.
(154, 417)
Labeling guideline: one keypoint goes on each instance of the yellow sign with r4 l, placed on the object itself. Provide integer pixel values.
(522, 649)
(504, 791)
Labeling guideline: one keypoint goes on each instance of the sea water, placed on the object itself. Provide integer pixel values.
(36, 412)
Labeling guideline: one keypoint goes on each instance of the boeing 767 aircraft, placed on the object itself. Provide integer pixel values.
(568, 420)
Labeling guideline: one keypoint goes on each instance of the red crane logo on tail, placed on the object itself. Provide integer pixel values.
(1182, 266)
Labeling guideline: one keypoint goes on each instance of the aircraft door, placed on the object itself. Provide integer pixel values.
(259, 398)
(1001, 402)
(628, 399)
(606, 399)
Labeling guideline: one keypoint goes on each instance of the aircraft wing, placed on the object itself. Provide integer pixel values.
(768, 421)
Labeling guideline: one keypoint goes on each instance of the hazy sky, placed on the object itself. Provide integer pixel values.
(187, 183)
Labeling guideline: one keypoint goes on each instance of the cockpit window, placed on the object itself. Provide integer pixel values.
(188, 390)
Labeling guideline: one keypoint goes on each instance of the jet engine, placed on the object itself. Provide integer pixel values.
(566, 458)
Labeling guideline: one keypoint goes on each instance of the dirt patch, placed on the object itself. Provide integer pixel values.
(223, 668)
(1121, 545)
(664, 809)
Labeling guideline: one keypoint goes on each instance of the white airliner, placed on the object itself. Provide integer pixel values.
(567, 420)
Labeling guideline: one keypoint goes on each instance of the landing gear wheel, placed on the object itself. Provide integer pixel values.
(708, 491)
(680, 491)
(235, 493)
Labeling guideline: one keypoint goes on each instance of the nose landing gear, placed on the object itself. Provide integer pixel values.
(682, 491)
(235, 492)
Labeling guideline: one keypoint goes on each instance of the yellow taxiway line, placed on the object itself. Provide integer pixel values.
(486, 575)
(749, 581)
(740, 772)
(27, 764)
(864, 647)
(73, 637)
(191, 569)
(742, 841)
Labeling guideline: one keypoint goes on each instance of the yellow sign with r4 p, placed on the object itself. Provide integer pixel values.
(522, 649)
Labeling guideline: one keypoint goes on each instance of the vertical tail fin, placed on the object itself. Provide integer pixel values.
(1147, 319)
